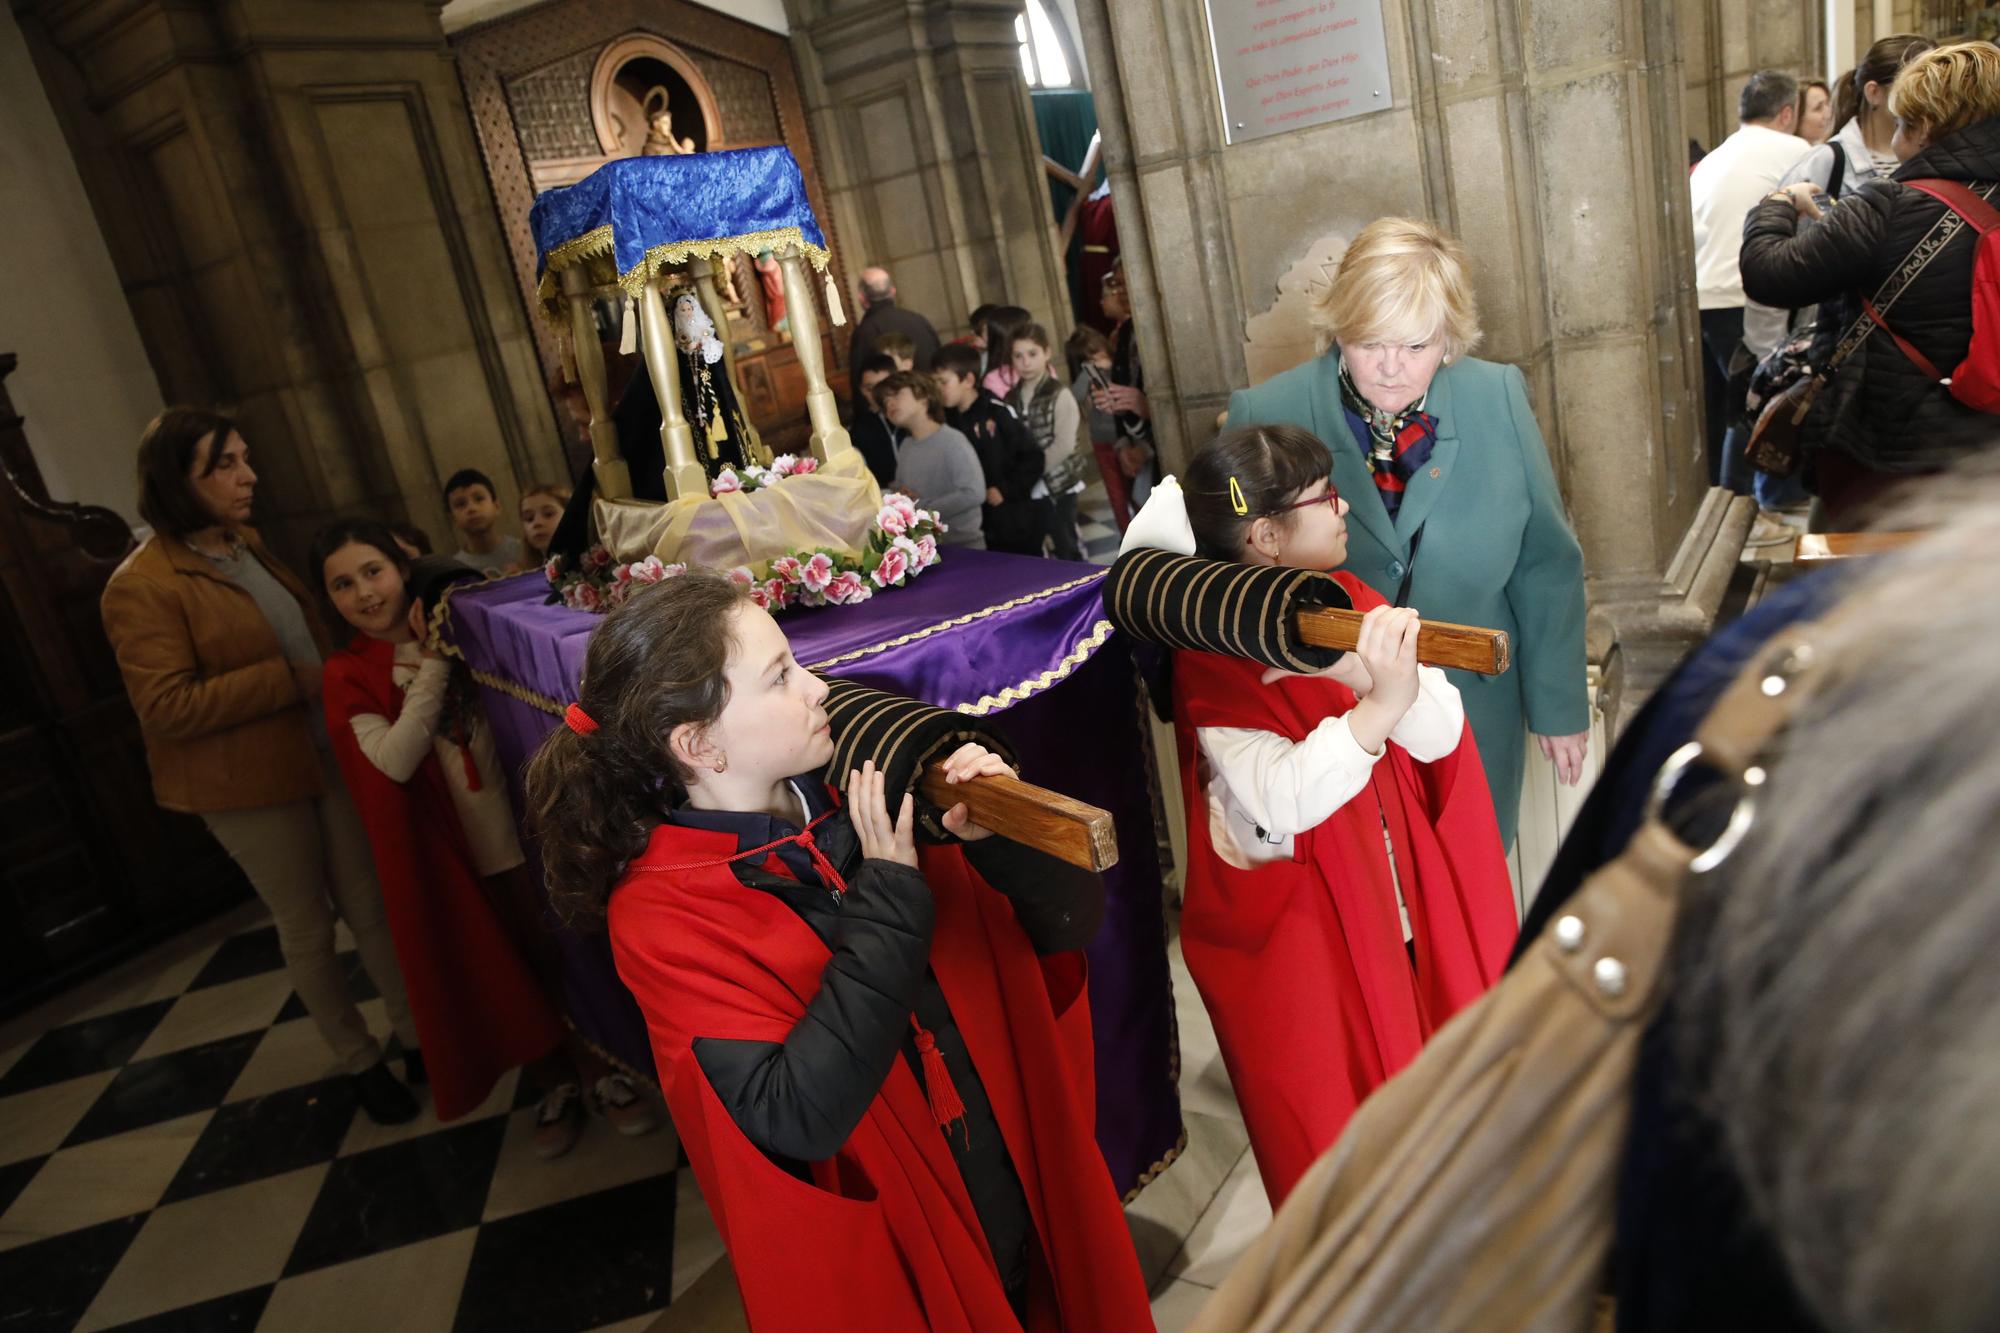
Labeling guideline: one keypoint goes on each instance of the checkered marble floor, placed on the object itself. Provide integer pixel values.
(178, 1152)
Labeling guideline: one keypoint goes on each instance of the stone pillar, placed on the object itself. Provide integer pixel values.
(928, 153)
(301, 222)
(1724, 42)
(1548, 135)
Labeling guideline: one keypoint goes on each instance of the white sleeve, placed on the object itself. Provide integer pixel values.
(398, 748)
(1289, 788)
(1436, 721)
(1764, 328)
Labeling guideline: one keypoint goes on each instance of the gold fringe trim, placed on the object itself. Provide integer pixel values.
(915, 635)
(1034, 685)
(599, 243)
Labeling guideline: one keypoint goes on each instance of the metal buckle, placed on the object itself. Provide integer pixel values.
(1741, 816)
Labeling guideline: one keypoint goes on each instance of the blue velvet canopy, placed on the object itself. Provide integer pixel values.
(637, 215)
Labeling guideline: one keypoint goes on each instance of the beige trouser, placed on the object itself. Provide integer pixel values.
(306, 860)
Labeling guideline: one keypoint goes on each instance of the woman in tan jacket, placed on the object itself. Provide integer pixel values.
(221, 648)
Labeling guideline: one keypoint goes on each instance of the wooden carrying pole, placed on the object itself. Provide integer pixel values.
(1439, 643)
(1034, 816)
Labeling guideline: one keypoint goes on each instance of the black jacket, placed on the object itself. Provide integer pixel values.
(1013, 464)
(872, 434)
(1880, 410)
(799, 1099)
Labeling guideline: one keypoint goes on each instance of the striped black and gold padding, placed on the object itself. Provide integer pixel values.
(902, 736)
(1213, 606)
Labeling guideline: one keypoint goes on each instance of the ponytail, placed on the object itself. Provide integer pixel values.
(655, 663)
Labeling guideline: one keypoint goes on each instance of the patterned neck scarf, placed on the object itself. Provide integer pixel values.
(1396, 443)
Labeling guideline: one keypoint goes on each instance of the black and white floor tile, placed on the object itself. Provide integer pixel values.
(1093, 519)
(177, 1152)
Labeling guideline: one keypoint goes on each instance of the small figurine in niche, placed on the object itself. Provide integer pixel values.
(772, 279)
(660, 140)
(708, 401)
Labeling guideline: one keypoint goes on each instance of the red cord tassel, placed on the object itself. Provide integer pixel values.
(471, 767)
(947, 1107)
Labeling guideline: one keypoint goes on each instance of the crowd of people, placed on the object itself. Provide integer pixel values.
(360, 781)
(1723, 1071)
(990, 414)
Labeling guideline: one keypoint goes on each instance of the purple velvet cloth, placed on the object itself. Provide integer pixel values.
(983, 631)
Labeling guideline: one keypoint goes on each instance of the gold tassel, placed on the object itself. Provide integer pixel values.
(716, 434)
(833, 310)
(628, 338)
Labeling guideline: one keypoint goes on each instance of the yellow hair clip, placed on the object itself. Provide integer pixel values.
(1236, 500)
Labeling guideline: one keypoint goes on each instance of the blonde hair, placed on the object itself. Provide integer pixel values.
(1401, 280)
(1947, 88)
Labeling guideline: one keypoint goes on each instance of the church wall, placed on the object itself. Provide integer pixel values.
(301, 225)
(84, 383)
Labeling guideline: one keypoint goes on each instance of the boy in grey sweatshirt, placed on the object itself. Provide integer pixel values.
(935, 464)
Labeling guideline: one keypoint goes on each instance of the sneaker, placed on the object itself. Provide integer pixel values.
(386, 1101)
(620, 1103)
(414, 1073)
(558, 1121)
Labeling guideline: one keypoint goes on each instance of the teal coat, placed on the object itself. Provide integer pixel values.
(1497, 549)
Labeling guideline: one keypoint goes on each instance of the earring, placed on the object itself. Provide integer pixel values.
(722, 764)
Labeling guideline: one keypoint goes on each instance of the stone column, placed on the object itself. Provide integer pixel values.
(301, 222)
(928, 153)
(1548, 135)
(1724, 42)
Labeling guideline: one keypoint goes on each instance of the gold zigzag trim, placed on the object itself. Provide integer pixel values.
(956, 621)
(1034, 685)
(514, 690)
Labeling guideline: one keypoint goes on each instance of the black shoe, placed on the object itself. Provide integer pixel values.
(386, 1101)
(413, 1069)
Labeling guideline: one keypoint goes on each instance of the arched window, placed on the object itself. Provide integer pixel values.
(1043, 59)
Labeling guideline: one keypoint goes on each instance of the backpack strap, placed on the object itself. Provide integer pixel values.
(1835, 177)
(1917, 359)
(1960, 200)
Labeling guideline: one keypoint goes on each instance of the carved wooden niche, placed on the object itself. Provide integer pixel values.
(647, 96)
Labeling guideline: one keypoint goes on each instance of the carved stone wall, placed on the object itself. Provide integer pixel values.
(299, 219)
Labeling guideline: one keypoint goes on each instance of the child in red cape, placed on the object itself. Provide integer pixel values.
(1346, 888)
(878, 1057)
(419, 760)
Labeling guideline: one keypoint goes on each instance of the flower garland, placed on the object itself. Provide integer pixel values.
(751, 477)
(901, 545)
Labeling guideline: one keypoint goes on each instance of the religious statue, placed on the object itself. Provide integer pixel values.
(772, 279)
(708, 400)
(660, 140)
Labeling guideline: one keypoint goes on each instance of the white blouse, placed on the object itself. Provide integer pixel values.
(1263, 790)
(398, 749)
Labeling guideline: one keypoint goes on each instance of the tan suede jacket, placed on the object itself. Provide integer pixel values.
(224, 722)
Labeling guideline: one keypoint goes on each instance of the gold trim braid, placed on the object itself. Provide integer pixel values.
(1013, 694)
(516, 691)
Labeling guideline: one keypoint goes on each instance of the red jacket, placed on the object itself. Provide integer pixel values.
(885, 1237)
(1302, 963)
(478, 1008)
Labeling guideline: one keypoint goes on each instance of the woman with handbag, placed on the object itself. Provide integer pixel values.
(1880, 415)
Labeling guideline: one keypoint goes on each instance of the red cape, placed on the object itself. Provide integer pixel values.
(1301, 963)
(478, 1008)
(885, 1238)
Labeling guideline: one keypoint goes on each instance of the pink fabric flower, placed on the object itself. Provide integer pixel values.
(784, 465)
(817, 572)
(742, 577)
(772, 594)
(597, 558)
(650, 570)
(552, 571)
(786, 567)
(584, 597)
(927, 552)
(804, 466)
(847, 588)
(895, 564)
(893, 520)
(726, 482)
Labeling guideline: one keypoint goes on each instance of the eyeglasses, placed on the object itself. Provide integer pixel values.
(1331, 500)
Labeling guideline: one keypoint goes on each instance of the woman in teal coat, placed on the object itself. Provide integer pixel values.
(1454, 504)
